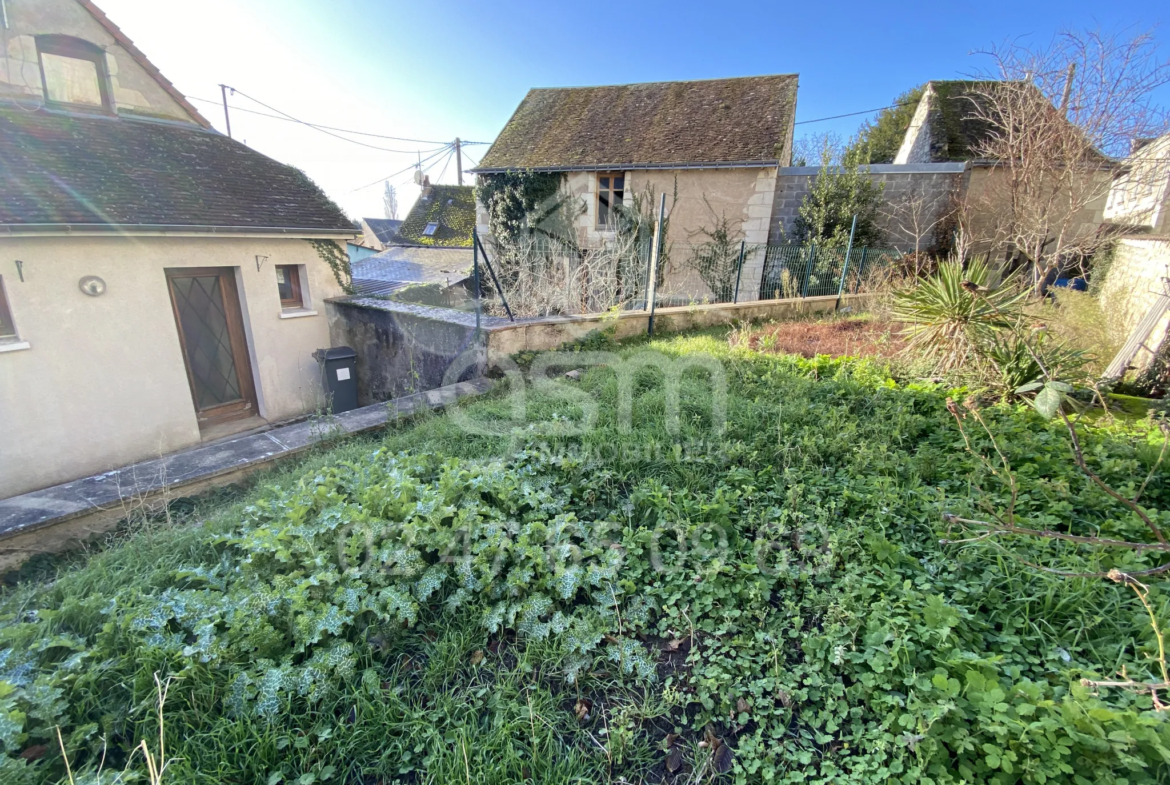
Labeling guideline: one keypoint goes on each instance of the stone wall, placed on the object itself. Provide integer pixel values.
(505, 339)
(1138, 274)
(402, 348)
(915, 195)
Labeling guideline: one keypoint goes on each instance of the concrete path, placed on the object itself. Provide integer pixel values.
(56, 518)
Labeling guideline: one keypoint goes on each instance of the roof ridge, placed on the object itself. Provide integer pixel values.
(144, 61)
(671, 81)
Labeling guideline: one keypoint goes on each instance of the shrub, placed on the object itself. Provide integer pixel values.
(1016, 359)
(948, 323)
(837, 194)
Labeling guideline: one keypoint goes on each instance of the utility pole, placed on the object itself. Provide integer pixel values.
(1068, 83)
(226, 117)
(459, 159)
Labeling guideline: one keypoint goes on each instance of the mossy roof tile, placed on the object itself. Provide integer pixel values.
(742, 120)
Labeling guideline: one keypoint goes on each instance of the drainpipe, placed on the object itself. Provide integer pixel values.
(4, 13)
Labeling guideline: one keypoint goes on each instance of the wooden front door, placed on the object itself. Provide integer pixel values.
(211, 331)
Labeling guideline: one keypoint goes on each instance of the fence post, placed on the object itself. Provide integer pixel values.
(475, 276)
(739, 271)
(488, 263)
(861, 268)
(812, 255)
(652, 284)
(845, 267)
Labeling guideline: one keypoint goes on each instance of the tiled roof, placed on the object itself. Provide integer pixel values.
(383, 228)
(451, 207)
(716, 121)
(401, 266)
(104, 171)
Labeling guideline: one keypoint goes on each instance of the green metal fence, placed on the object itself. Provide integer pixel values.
(815, 271)
(540, 277)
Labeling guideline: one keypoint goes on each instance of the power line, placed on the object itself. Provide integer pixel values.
(853, 114)
(407, 169)
(474, 162)
(328, 127)
(446, 163)
(322, 130)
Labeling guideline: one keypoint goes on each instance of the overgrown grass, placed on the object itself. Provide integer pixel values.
(766, 603)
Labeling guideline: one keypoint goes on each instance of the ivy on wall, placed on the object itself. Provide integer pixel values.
(523, 203)
(335, 256)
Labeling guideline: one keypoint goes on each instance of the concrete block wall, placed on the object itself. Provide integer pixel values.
(933, 185)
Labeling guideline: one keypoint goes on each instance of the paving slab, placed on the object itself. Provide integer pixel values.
(96, 503)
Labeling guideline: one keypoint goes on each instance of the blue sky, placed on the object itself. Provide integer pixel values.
(439, 69)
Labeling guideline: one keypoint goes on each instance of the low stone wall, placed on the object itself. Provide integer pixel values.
(506, 339)
(1139, 272)
(402, 348)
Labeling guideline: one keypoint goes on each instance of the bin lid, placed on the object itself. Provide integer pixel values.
(334, 353)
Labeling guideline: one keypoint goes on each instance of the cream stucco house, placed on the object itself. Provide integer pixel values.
(719, 141)
(160, 284)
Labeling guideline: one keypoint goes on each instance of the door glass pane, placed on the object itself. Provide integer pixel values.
(203, 317)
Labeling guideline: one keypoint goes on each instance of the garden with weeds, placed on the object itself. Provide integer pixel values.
(831, 574)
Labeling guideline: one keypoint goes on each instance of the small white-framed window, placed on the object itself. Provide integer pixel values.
(290, 286)
(7, 324)
(430, 230)
(8, 334)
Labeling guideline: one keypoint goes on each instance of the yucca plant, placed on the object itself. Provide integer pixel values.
(946, 321)
(1017, 359)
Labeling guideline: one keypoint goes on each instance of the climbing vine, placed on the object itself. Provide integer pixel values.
(338, 260)
(522, 203)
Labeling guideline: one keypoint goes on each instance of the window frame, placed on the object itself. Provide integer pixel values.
(428, 231)
(6, 314)
(610, 190)
(76, 49)
(297, 302)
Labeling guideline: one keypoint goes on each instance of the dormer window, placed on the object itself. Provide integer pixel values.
(73, 72)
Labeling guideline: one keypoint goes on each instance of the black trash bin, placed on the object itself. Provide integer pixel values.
(339, 377)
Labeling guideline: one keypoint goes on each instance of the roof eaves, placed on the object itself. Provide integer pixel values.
(131, 229)
(628, 167)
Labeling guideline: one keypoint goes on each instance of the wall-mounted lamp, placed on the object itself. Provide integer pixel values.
(92, 285)
(260, 260)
